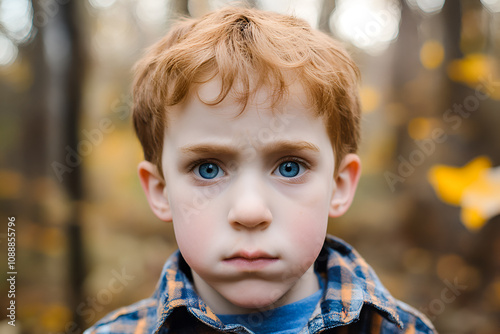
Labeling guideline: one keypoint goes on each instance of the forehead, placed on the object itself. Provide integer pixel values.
(267, 100)
(261, 124)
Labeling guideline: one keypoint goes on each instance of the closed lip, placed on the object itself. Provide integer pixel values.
(251, 260)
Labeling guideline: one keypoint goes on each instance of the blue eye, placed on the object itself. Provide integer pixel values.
(208, 170)
(289, 169)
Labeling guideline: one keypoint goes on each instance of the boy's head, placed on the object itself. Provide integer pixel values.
(246, 49)
(249, 123)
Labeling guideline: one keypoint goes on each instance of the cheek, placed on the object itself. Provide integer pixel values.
(311, 205)
(195, 238)
(193, 222)
(309, 232)
(306, 238)
(308, 227)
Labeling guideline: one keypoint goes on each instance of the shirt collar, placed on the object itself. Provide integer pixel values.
(350, 284)
(175, 290)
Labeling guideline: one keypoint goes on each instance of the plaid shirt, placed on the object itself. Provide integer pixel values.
(355, 301)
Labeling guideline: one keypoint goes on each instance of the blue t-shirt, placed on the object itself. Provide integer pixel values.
(287, 319)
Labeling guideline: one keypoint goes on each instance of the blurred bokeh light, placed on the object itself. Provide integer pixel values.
(367, 24)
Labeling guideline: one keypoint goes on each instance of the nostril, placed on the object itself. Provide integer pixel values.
(249, 206)
(250, 219)
(246, 224)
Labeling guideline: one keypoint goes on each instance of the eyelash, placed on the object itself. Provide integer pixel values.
(297, 179)
(201, 181)
(294, 159)
(190, 168)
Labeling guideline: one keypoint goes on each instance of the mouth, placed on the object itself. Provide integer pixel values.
(246, 260)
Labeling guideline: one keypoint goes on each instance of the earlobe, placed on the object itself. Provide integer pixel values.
(346, 182)
(154, 188)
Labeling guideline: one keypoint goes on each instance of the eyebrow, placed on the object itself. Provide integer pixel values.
(224, 149)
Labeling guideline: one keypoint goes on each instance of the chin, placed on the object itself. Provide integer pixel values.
(254, 298)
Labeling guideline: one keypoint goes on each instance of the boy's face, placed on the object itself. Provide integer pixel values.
(249, 196)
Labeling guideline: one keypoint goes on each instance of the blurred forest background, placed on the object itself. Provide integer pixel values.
(426, 215)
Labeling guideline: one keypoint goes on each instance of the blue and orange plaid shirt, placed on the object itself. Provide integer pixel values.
(354, 301)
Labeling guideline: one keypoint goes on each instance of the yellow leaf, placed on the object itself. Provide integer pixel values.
(54, 317)
(431, 54)
(481, 200)
(451, 182)
(370, 99)
(12, 183)
(472, 68)
(472, 219)
(420, 127)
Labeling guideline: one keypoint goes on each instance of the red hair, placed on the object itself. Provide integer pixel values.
(238, 45)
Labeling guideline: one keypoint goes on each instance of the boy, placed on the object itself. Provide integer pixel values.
(249, 124)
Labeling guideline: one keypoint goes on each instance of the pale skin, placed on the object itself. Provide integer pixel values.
(249, 196)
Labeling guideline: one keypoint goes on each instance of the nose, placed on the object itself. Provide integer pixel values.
(249, 208)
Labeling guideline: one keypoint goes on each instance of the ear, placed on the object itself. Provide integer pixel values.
(346, 182)
(155, 190)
